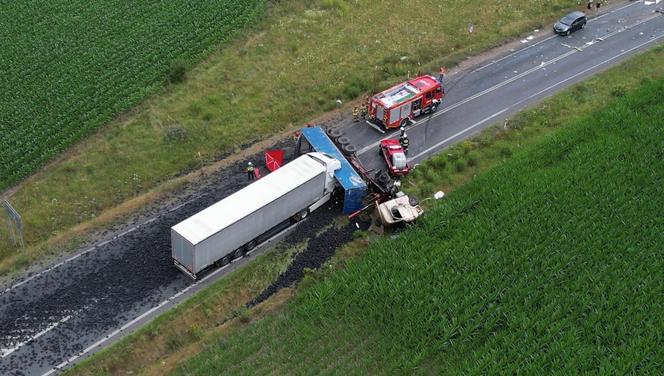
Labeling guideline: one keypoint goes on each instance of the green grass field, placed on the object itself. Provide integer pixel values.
(69, 67)
(550, 262)
(288, 68)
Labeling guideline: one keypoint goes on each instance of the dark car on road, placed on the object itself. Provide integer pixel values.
(570, 23)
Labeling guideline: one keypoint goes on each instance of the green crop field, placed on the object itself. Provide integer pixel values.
(68, 67)
(549, 262)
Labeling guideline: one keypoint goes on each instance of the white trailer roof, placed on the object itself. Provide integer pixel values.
(249, 199)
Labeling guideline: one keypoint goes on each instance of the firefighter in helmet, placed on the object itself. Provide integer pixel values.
(250, 171)
(403, 140)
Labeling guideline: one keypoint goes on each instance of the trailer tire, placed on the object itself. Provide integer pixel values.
(343, 140)
(249, 246)
(334, 133)
(224, 261)
(238, 253)
(302, 214)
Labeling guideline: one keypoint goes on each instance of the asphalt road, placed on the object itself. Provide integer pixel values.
(492, 91)
(72, 309)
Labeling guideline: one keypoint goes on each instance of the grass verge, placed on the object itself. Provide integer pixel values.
(490, 148)
(547, 263)
(290, 67)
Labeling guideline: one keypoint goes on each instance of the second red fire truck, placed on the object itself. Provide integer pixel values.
(396, 106)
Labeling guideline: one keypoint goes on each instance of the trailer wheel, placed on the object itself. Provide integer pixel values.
(343, 140)
(238, 253)
(334, 133)
(224, 261)
(249, 246)
(302, 214)
(350, 149)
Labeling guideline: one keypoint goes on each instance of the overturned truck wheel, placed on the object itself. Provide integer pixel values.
(334, 133)
(350, 149)
(343, 140)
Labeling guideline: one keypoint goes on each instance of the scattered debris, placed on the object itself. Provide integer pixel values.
(320, 248)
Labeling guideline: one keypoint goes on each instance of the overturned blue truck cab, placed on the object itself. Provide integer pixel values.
(354, 187)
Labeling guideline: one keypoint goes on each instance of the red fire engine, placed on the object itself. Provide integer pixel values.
(393, 107)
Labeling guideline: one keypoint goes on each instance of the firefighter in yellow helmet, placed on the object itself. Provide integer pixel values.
(250, 171)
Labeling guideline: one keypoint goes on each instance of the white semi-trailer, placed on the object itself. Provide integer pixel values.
(234, 225)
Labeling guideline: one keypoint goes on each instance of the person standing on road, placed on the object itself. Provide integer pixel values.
(403, 140)
(441, 74)
(250, 171)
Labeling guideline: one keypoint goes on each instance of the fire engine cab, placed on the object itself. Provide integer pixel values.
(394, 107)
